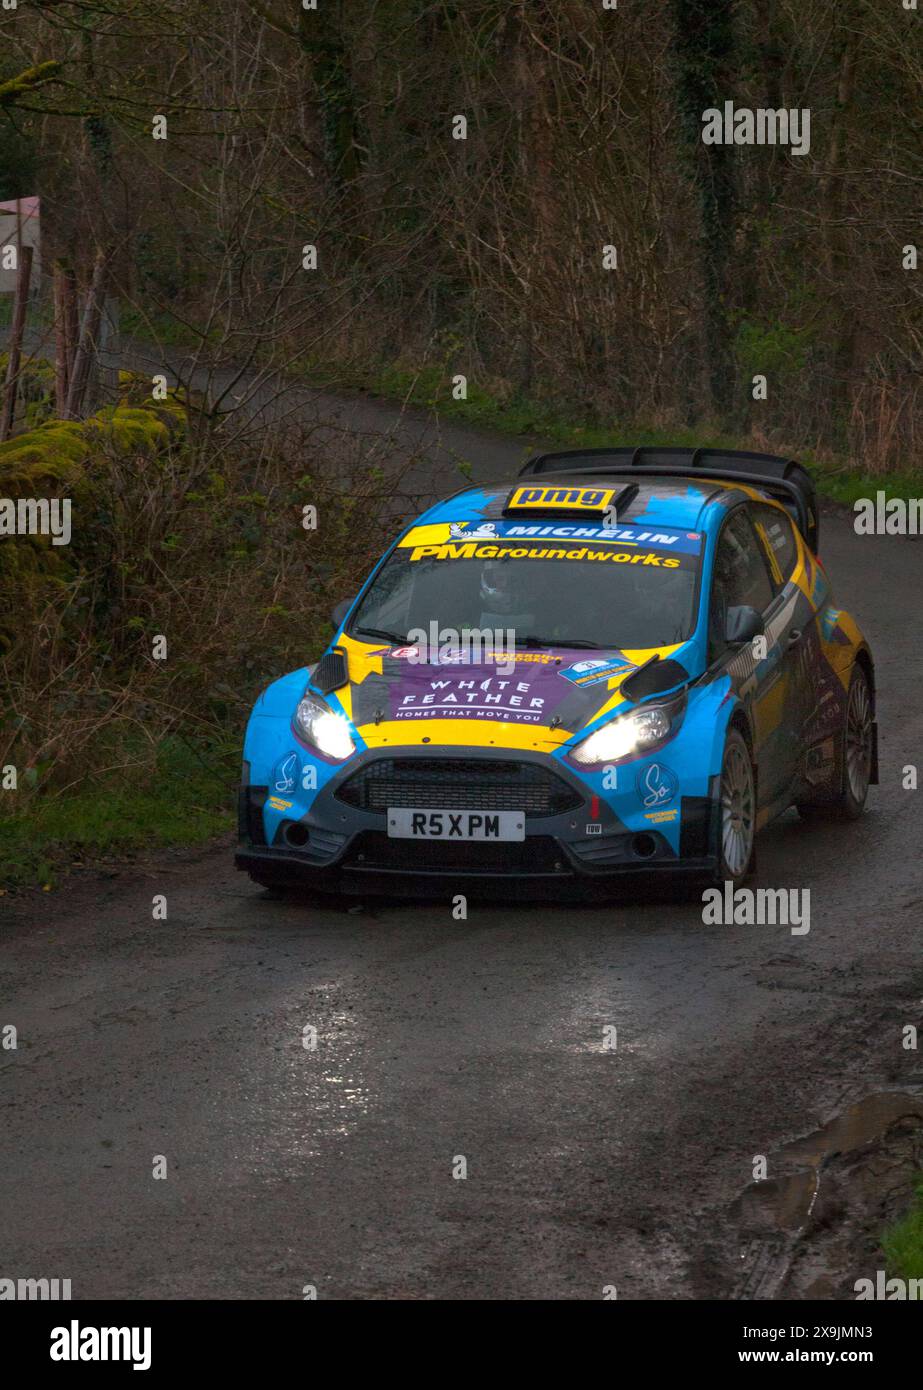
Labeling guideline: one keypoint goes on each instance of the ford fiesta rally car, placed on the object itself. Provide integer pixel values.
(671, 673)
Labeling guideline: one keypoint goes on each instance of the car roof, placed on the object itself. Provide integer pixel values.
(679, 501)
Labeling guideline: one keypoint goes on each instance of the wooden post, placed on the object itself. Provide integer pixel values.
(71, 331)
(24, 273)
(89, 334)
(109, 348)
(61, 354)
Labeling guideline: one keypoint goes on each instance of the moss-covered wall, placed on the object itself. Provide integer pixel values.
(61, 459)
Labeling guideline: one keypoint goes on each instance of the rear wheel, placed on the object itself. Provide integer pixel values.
(736, 811)
(856, 749)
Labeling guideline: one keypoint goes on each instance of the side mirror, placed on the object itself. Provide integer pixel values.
(339, 613)
(743, 623)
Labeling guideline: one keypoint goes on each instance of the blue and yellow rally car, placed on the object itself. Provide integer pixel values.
(628, 662)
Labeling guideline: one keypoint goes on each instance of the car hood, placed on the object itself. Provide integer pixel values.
(540, 699)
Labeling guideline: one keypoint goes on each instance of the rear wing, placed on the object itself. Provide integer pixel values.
(782, 479)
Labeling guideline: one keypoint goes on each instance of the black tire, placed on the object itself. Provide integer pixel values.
(296, 891)
(855, 757)
(736, 811)
(274, 885)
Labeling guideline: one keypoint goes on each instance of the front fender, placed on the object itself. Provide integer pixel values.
(279, 699)
(275, 759)
(684, 768)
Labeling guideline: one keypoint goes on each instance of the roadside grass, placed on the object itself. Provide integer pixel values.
(427, 387)
(185, 798)
(902, 1243)
(497, 408)
(158, 326)
(113, 746)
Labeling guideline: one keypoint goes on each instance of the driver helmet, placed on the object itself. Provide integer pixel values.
(499, 588)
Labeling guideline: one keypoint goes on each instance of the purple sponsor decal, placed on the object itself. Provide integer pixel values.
(528, 696)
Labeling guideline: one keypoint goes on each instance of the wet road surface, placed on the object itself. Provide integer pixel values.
(438, 1039)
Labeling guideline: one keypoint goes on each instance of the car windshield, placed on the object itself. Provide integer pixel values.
(616, 594)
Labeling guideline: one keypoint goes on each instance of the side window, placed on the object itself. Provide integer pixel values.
(776, 530)
(741, 576)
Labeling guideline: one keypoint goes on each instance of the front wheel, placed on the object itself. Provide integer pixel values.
(278, 886)
(736, 811)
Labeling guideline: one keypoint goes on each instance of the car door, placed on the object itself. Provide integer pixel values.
(789, 623)
(763, 673)
(815, 707)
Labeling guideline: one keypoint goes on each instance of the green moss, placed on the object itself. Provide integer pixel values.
(63, 458)
(36, 388)
(60, 450)
(26, 82)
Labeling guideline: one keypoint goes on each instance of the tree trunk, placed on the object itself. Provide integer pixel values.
(705, 51)
(109, 350)
(16, 335)
(61, 353)
(89, 336)
(326, 47)
(71, 324)
(836, 257)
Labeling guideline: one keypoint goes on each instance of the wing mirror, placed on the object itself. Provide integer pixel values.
(339, 613)
(743, 623)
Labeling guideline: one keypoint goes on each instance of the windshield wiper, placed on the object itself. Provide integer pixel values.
(380, 632)
(556, 642)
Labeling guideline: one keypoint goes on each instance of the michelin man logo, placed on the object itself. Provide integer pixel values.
(466, 531)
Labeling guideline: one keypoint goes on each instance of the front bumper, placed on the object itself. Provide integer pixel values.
(336, 846)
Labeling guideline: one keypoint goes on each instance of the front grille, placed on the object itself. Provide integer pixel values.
(539, 854)
(468, 784)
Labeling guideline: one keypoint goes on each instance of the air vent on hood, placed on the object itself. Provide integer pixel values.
(654, 678)
(331, 672)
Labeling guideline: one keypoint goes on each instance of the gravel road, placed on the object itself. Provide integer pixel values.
(586, 1166)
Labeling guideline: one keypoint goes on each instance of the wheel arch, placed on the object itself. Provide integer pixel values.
(740, 721)
(865, 663)
(863, 659)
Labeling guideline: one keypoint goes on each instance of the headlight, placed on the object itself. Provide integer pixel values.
(320, 726)
(629, 734)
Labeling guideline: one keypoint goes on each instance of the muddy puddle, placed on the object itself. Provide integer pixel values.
(812, 1227)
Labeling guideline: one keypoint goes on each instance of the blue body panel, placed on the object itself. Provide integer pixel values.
(643, 794)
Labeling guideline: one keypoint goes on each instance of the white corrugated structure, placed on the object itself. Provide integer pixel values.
(19, 226)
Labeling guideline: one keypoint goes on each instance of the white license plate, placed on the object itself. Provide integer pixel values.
(418, 823)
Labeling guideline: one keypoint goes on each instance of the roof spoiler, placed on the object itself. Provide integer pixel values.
(783, 479)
